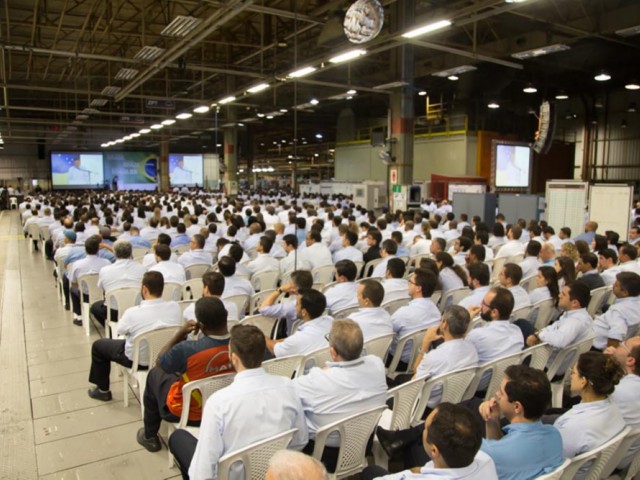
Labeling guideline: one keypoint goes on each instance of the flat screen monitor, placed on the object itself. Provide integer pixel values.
(77, 170)
(131, 170)
(513, 165)
(185, 169)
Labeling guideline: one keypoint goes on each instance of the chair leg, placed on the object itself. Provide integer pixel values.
(557, 389)
(86, 319)
(125, 383)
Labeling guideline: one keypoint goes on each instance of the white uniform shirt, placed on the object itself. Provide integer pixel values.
(630, 266)
(449, 279)
(625, 397)
(395, 288)
(609, 275)
(520, 297)
(195, 257)
(572, 326)
(539, 294)
(123, 273)
(341, 389)
(263, 263)
(475, 298)
(308, 337)
(615, 323)
(294, 261)
(381, 269)
(171, 271)
(482, 468)
(418, 314)
(374, 322)
(254, 407)
(318, 255)
(348, 253)
(449, 356)
(341, 295)
(529, 266)
(230, 307)
(237, 286)
(149, 260)
(85, 266)
(149, 315)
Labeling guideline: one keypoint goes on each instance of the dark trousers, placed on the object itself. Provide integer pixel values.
(48, 249)
(103, 352)
(373, 471)
(329, 455)
(155, 401)
(75, 300)
(526, 327)
(65, 290)
(182, 446)
(99, 311)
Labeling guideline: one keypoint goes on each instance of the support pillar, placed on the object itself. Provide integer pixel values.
(163, 165)
(230, 157)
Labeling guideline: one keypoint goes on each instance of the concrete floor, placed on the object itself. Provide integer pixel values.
(49, 427)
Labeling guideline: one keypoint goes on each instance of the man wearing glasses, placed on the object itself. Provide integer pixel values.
(196, 255)
(613, 326)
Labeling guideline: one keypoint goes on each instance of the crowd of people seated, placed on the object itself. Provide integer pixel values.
(467, 295)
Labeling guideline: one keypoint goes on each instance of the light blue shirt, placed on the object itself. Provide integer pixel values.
(520, 297)
(615, 323)
(539, 294)
(420, 313)
(572, 326)
(374, 322)
(254, 407)
(180, 239)
(625, 397)
(308, 337)
(449, 280)
(341, 295)
(475, 298)
(526, 451)
(482, 468)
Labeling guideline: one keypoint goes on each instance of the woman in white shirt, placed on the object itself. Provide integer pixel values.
(596, 419)
(547, 286)
(566, 269)
(451, 275)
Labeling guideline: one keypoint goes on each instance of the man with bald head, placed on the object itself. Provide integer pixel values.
(589, 232)
(292, 465)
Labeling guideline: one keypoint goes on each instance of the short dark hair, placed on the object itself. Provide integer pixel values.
(154, 281)
(513, 271)
(227, 266)
(629, 282)
(92, 245)
(566, 231)
(609, 254)
(163, 251)
(199, 240)
(590, 258)
(181, 228)
(315, 236)
(479, 252)
(347, 269)
(533, 248)
(302, 279)
(629, 250)
(442, 243)
(530, 387)
(214, 281)
(479, 272)
(516, 232)
(210, 311)
(390, 246)
(503, 302)
(313, 301)
(266, 243)
(248, 343)
(351, 237)
(373, 290)
(236, 252)
(457, 433)
(375, 235)
(290, 239)
(580, 291)
(426, 280)
(396, 267)
(465, 243)
(482, 236)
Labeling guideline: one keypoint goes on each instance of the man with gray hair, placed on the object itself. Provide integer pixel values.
(125, 272)
(292, 465)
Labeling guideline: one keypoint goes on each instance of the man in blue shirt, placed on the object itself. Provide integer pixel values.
(526, 448)
(181, 237)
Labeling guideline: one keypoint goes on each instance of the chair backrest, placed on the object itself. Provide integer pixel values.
(454, 385)
(207, 387)
(264, 323)
(241, 302)
(522, 312)
(139, 252)
(155, 340)
(370, 266)
(258, 298)
(172, 291)
(89, 283)
(538, 356)
(557, 473)
(197, 270)
(545, 310)
(354, 432)
(598, 297)
(453, 297)
(124, 298)
(497, 368)
(598, 457)
(378, 346)
(45, 233)
(265, 280)
(316, 358)
(436, 296)
(192, 289)
(621, 452)
(515, 258)
(415, 339)
(476, 322)
(34, 231)
(345, 312)
(529, 283)
(415, 260)
(498, 263)
(323, 274)
(285, 278)
(634, 467)
(327, 286)
(255, 457)
(284, 366)
(405, 398)
(252, 253)
(567, 357)
(392, 305)
(185, 303)
(359, 267)
(180, 249)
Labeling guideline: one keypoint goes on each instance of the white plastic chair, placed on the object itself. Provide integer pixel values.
(180, 249)
(538, 356)
(184, 304)
(255, 457)
(529, 283)
(89, 283)
(515, 259)
(316, 358)
(284, 366)
(522, 312)
(436, 296)
(498, 263)
(34, 233)
(264, 323)
(557, 473)
(621, 453)
(354, 432)
(359, 267)
(378, 346)
(172, 291)
(598, 457)
(370, 266)
(123, 298)
(543, 310)
(192, 289)
(497, 368)
(259, 297)
(241, 302)
(323, 274)
(415, 339)
(265, 280)
(252, 253)
(197, 270)
(345, 312)
(45, 234)
(565, 357)
(155, 340)
(138, 253)
(392, 305)
(453, 297)
(13, 203)
(598, 297)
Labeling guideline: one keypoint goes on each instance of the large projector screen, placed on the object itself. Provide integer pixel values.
(513, 164)
(131, 170)
(77, 170)
(185, 169)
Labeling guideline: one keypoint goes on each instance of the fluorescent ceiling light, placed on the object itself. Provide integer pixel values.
(453, 78)
(104, 145)
(119, 140)
(430, 27)
(134, 135)
(168, 121)
(110, 91)
(395, 84)
(98, 102)
(126, 74)
(538, 52)
(514, 1)
(201, 109)
(302, 72)
(184, 116)
(180, 26)
(226, 100)
(315, 101)
(258, 88)
(260, 115)
(156, 126)
(493, 105)
(455, 71)
(348, 55)
(602, 77)
(82, 116)
(351, 92)
(148, 53)
(422, 93)
(144, 131)
(629, 31)
(529, 89)
(632, 86)
(283, 110)
(90, 111)
(562, 96)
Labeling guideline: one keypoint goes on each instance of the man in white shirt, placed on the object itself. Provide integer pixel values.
(296, 258)
(373, 320)
(608, 265)
(263, 261)
(513, 246)
(196, 255)
(76, 175)
(255, 232)
(233, 285)
(634, 235)
(344, 294)
(547, 254)
(612, 327)
(394, 284)
(152, 313)
(549, 235)
(530, 263)
(348, 250)
(479, 278)
(125, 272)
(213, 286)
(180, 176)
(149, 260)
(510, 277)
(388, 251)
(256, 406)
(171, 271)
(628, 257)
(348, 384)
(151, 232)
(317, 254)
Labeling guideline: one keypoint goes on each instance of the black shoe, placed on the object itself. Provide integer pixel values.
(67, 307)
(151, 444)
(77, 321)
(389, 442)
(98, 395)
